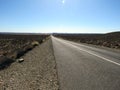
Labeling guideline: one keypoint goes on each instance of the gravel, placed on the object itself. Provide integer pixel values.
(37, 72)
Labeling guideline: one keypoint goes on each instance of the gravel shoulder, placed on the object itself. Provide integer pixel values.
(37, 72)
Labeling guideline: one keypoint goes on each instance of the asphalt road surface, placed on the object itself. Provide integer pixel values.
(85, 67)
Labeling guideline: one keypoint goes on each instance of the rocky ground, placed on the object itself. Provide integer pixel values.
(37, 72)
(110, 40)
(14, 46)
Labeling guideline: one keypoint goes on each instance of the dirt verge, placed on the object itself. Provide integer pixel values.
(37, 72)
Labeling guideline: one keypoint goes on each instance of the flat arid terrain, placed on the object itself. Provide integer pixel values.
(37, 72)
(60, 62)
(111, 40)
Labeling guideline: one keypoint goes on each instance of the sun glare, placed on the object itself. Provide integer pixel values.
(63, 1)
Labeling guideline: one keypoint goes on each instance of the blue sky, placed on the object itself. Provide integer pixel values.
(70, 16)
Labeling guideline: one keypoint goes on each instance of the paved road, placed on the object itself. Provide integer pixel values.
(83, 67)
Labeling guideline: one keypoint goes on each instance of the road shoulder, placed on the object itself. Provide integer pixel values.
(37, 72)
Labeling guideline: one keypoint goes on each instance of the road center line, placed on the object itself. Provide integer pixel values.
(94, 54)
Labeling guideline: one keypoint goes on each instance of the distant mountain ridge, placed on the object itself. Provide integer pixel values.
(15, 33)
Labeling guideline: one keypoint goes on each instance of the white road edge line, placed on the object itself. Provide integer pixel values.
(94, 54)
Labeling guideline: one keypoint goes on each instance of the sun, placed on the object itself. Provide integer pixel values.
(63, 1)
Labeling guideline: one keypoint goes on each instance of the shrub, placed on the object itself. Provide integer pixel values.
(5, 61)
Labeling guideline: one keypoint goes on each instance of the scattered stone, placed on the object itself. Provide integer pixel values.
(1, 82)
(20, 60)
